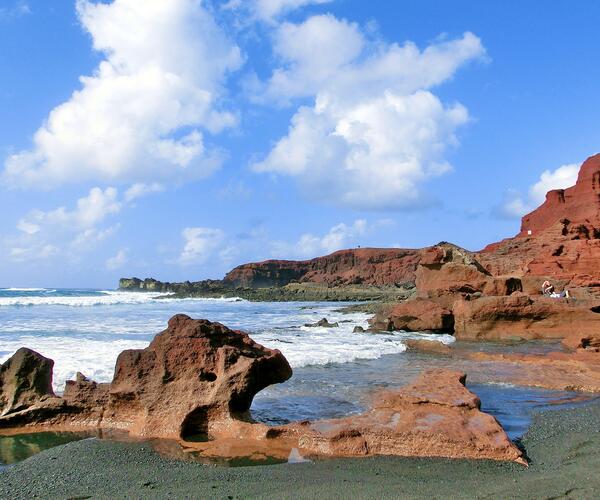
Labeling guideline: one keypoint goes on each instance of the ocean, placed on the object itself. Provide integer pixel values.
(335, 370)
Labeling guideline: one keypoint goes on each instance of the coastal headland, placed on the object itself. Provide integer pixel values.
(196, 381)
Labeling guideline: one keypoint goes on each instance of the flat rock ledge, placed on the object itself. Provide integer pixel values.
(199, 378)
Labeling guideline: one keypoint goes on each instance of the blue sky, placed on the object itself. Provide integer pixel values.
(178, 139)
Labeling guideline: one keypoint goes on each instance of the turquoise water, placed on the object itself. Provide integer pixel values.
(335, 370)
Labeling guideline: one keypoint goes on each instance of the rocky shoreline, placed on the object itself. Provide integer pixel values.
(199, 378)
(561, 446)
(291, 292)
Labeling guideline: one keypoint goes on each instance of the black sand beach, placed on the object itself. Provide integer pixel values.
(562, 446)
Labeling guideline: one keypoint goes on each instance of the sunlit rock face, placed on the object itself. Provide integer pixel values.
(560, 239)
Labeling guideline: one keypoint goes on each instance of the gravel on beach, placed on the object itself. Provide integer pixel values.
(563, 447)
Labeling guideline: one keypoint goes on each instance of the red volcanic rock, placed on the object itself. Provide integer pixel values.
(523, 316)
(559, 240)
(578, 371)
(446, 269)
(414, 316)
(192, 373)
(367, 266)
(25, 378)
(435, 416)
(429, 346)
(26, 393)
(578, 204)
(86, 394)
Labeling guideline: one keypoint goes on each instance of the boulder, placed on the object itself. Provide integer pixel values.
(435, 416)
(324, 323)
(26, 393)
(191, 374)
(358, 329)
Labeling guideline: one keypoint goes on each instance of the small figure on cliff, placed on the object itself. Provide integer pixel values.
(548, 289)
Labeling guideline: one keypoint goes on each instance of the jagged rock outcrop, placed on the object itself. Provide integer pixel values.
(26, 393)
(322, 323)
(191, 375)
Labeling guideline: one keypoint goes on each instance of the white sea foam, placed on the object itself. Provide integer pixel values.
(27, 289)
(95, 359)
(89, 339)
(107, 298)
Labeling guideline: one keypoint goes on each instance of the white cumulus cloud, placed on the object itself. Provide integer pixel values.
(141, 189)
(44, 234)
(143, 114)
(515, 205)
(309, 245)
(269, 9)
(563, 177)
(200, 244)
(117, 261)
(375, 132)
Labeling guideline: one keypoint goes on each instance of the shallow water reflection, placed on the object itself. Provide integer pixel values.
(16, 448)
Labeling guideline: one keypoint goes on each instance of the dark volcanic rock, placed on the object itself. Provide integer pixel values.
(26, 394)
(322, 323)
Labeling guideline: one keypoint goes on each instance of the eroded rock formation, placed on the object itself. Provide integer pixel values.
(26, 393)
(198, 377)
(191, 374)
(435, 416)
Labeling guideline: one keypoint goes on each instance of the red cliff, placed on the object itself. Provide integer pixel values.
(364, 266)
(560, 239)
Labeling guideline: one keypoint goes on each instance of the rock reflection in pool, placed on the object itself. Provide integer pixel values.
(18, 447)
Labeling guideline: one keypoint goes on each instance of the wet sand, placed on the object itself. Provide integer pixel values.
(563, 447)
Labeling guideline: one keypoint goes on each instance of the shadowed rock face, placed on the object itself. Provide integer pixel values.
(25, 379)
(26, 395)
(192, 374)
